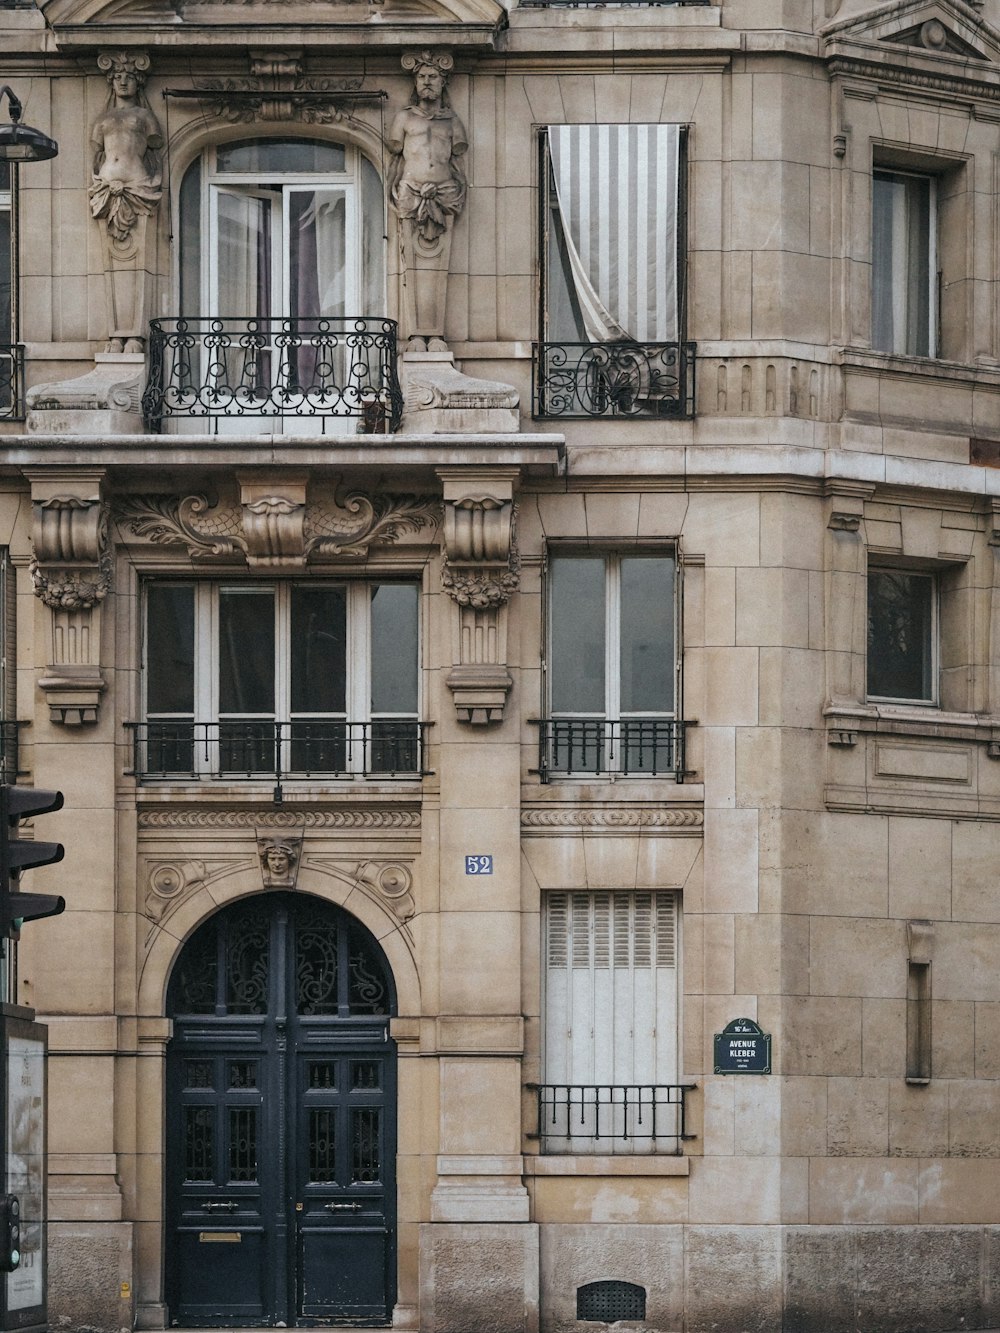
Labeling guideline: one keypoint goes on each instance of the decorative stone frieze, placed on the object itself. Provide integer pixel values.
(71, 572)
(611, 818)
(389, 883)
(274, 526)
(278, 91)
(194, 817)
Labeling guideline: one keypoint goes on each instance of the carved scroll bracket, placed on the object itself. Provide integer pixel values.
(71, 571)
(481, 571)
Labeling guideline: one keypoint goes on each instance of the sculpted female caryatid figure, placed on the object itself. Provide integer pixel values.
(126, 188)
(427, 187)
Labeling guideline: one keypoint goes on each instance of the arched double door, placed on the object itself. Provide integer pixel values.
(280, 1120)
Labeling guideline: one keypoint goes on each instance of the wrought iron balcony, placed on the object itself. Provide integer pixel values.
(622, 379)
(605, 1117)
(274, 368)
(11, 381)
(606, 4)
(596, 747)
(302, 750)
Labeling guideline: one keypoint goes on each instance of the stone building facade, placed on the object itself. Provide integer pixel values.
(500, 514)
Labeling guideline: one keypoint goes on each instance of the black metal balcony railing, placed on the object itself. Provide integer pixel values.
(583, 1115)
(645, 4)
(11, 381)
(278, 751)
(624, 379)
(10, 765)
(595, 747)
(320, 368)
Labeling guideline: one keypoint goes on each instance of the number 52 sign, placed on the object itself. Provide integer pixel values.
(479, 865)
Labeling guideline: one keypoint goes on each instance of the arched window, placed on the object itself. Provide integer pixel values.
(294, 227)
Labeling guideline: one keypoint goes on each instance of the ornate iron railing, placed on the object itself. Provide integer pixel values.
(11, 381)
(320, 368)
(621, 379)
(586, 1116)
(10, 765)
(595, 747)
(631, 4)
(302, 750)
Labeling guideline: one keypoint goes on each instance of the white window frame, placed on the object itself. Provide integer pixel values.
(358, 663)
(933, 666)
(898, 277)
(615, 1020)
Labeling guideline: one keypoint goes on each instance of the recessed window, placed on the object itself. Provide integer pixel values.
(904, 263)
(902, 629)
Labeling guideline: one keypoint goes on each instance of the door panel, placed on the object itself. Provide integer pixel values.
(280, 1164)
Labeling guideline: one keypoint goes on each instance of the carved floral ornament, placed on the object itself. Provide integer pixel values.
(482, 567)
(276, 528)
(71, 561)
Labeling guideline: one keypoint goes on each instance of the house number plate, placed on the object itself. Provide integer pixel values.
(479, 865)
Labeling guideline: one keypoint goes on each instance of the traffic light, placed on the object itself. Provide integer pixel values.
(10, 1232)
(17, 854)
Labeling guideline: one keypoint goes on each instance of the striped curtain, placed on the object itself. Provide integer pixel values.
(616, 187)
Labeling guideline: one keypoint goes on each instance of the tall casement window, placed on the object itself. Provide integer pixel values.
(610, 1021)
(10, 367)
(902, 635)
(904, 263)
(281, 290)
(612, 254)
(612, 666)
(288, 678)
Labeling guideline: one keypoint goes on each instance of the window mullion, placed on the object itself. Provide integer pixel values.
(612, 639)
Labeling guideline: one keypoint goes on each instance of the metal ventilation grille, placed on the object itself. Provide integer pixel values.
(605, 1302)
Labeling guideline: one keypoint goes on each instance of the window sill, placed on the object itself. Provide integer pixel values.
(924, 367)
(582, 1164)
(844, 725)
(221, 792)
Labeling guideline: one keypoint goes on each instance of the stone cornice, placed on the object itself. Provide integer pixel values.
(923, 81)
(171, 817)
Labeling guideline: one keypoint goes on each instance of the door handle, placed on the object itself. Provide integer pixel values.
(343, 1207)
(227, 1207)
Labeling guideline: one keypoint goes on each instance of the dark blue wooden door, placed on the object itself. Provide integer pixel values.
(280, 1120)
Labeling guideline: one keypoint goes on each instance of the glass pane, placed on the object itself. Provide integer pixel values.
(900, 625)
(366, 989)
(244, 258)
(319, 650)
(198, 1073)
(246, 651)
(280, 156)
(243, 1143)
(198, 1143)
(394, 648)
(191, 242)
(647, 634)
(322, 1146)
(578, 635)
(316, 252)
(901, 263)
(248, 955)
(365, 1136)
(316, 975)
(372, 242)
(322, 1074)
(170, 648)
(243, 1073)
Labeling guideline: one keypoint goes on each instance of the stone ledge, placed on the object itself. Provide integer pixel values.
(579, 1164)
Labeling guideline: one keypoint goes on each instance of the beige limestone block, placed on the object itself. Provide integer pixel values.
(556, 863)
(957, 1193)
(884, 1037)
(822, 1036)
(918, 1120)
(668, 863)
(470, 1083)
(67, 964)
(719, 956)
(726, 528)
(920, 868)
(803, 1117)
(973, 1118)
(693, 953)
(81, 1088)
(731, 687)
(611, 862)
(965, 962)
(662, 515)
(695, 1039)
(474, 833)
(743, 1190)
(758, 1112)
(975, 849)
(987, 1039)
(835, 864)
(843, 1191)
(480, 952)
(866, 958)
(719, 766)
(791, 532)
(720, 606)
(771, 954)
(578, 97)
(544, 97)
(953, 1038)
(609, 1201)
(562, 515)
(731, 860)
(857, 1117)
(772, 607)
(611, 516)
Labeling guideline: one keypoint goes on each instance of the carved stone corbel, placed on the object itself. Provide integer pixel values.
(274, 511)
(481, 571)
(71, 572)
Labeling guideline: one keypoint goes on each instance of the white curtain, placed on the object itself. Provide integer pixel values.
(616, 187)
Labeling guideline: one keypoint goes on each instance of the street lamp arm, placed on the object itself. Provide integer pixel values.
(13, 102)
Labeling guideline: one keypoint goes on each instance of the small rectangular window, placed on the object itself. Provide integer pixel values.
(902, 630)
(904, 264)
